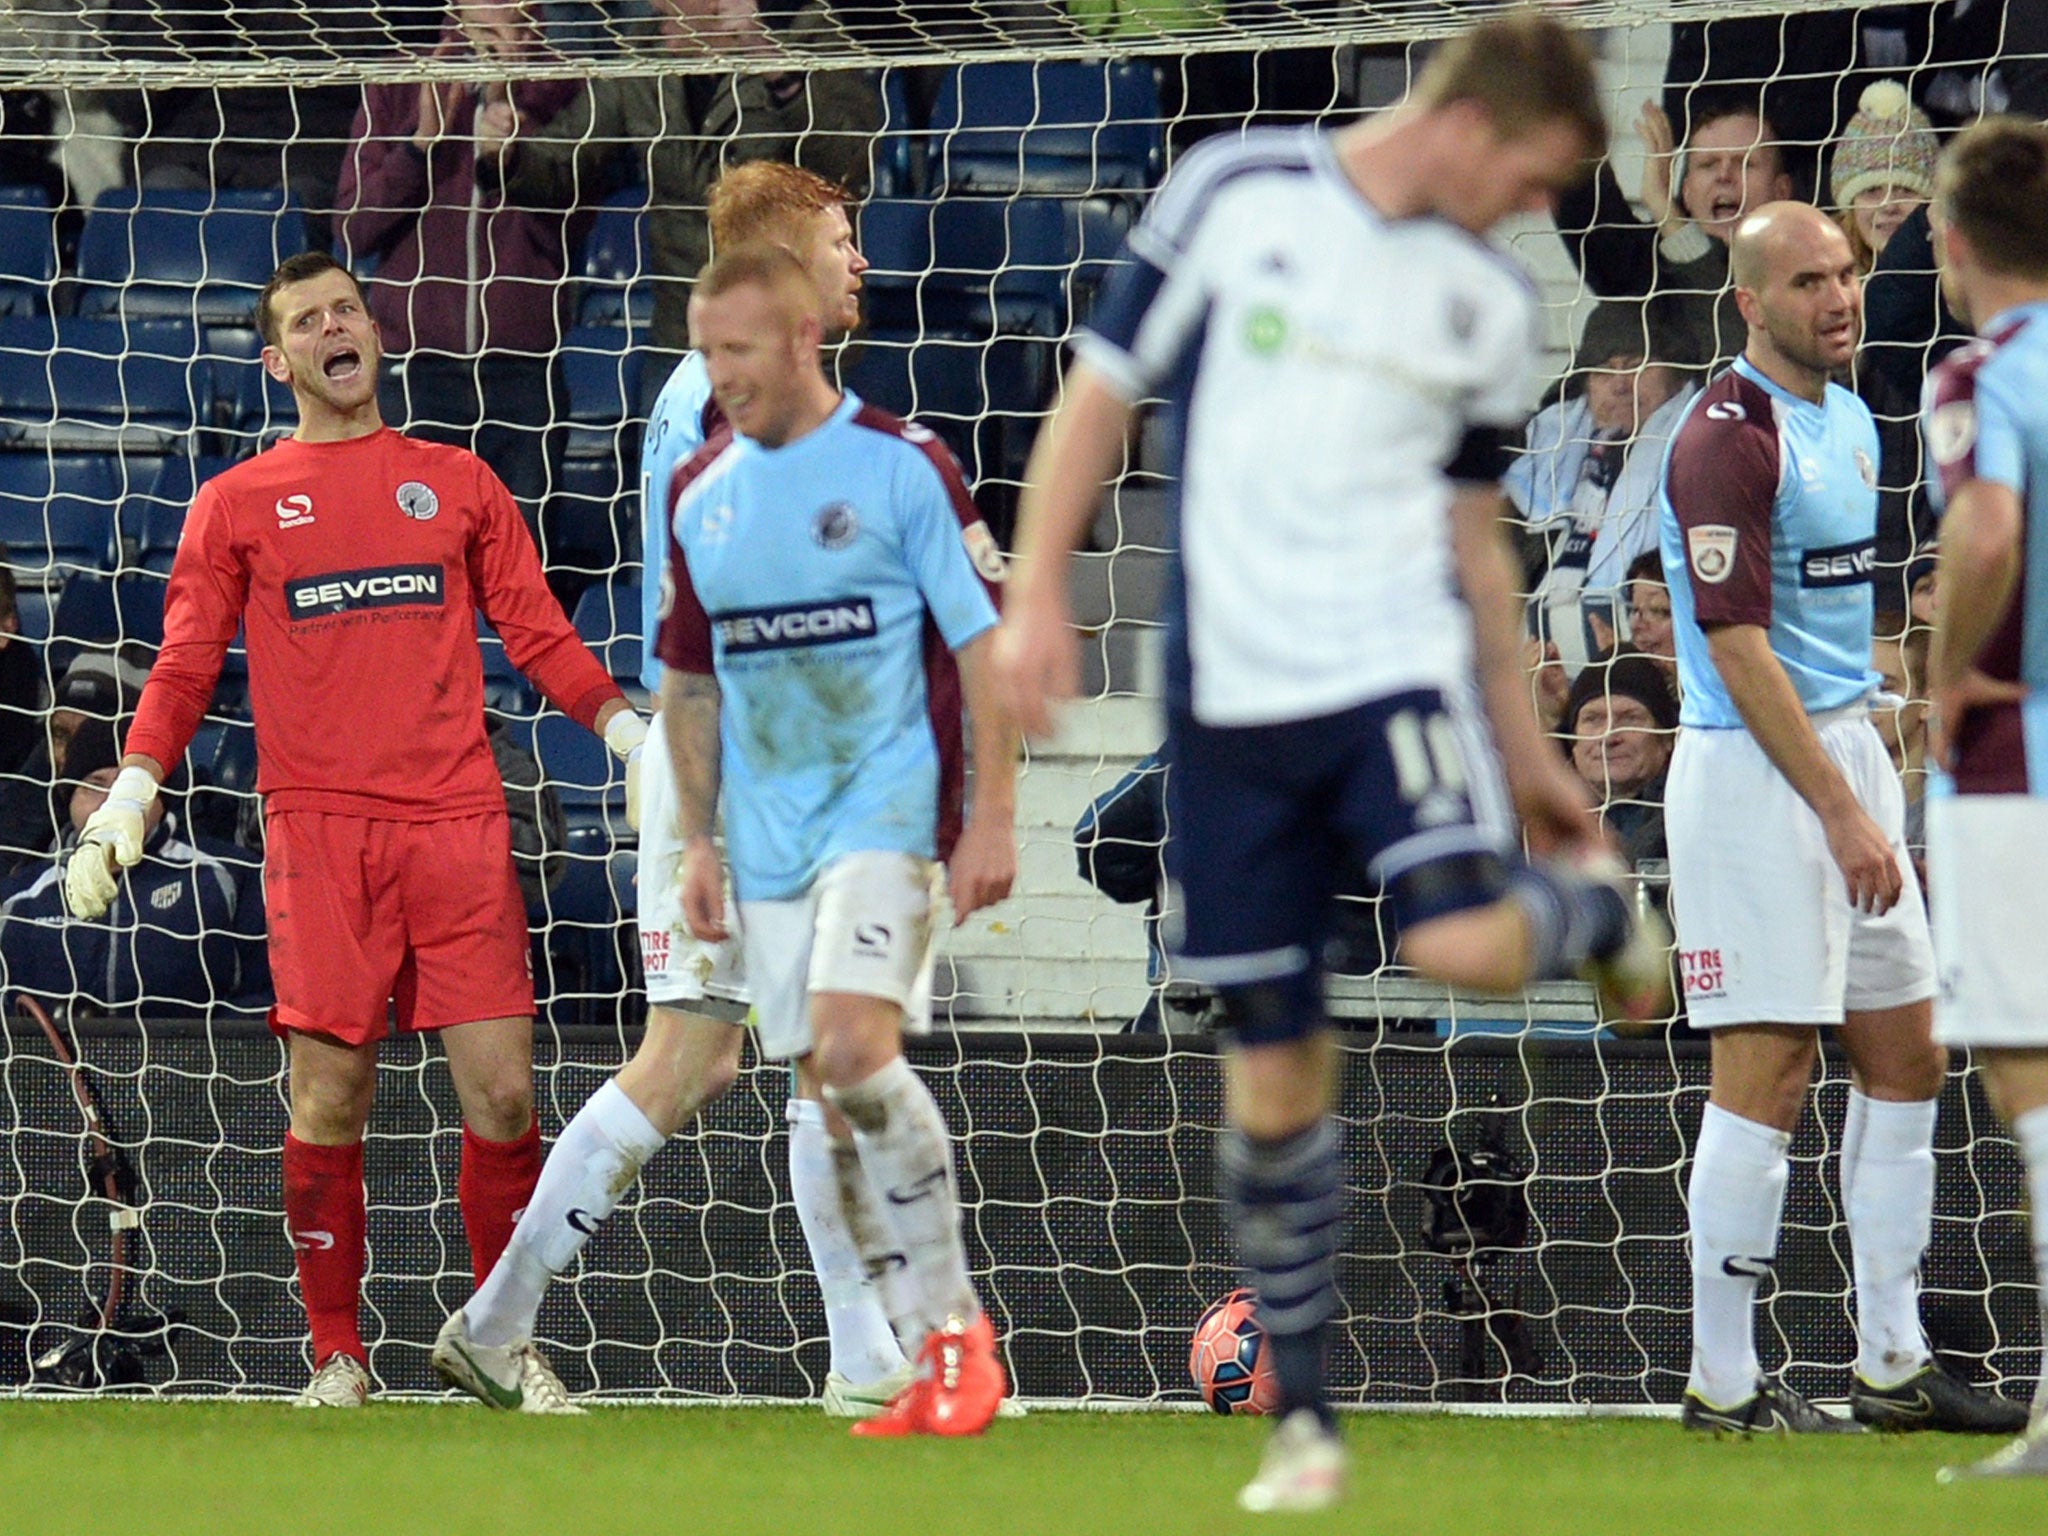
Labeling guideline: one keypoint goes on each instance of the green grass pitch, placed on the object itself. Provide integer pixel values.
(162, 1469)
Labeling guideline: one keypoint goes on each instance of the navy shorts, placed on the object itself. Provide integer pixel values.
(1260, 820)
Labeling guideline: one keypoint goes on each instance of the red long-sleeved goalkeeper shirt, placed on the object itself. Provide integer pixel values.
(358, 568)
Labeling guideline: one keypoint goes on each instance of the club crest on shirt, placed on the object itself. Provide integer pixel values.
(417, 500)
(835, 526)
(1866, 471)
(1711, 548)
(1952, 431)
(165, 897)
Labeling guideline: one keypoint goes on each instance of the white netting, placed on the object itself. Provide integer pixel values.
(127, 375)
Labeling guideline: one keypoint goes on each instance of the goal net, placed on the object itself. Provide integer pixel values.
(1516, 1173)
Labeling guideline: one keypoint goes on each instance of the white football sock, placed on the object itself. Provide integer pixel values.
(909, 1159)
(1890, 1194)
(1854, 1119)
(596, 1160)
(2030, 1130)
(864, 1347)
(885, 1264)
(1736, 1201)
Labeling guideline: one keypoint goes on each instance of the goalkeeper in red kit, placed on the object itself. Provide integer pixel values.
(357, 560)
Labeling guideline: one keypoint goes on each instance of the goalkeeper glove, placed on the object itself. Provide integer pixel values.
(112, 840)
(626, 735)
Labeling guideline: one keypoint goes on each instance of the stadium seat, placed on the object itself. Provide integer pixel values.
(254, 410)
(28, 251)
(96, 611)
(153, 518)
(618, 265)
(602, 372)
(608, 618)
(896, 239)
(589, 525)
(1000, 265)
(196, 255)
(582, 770)
(506, 690)
(56, 512)
(1003, 128)
(980, 394)
(74, 385)
(898, 152)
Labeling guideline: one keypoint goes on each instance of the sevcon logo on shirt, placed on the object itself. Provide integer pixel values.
(774, 629)
(383, 586)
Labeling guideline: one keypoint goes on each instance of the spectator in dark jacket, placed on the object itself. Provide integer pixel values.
(677, 132)
(470, 287)
(1620, 724)
(21, 680)
(182, 937)
(97, 686)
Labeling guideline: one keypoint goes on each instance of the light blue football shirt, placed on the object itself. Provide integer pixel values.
(675, 430)
(1768, 516)
(811, 578)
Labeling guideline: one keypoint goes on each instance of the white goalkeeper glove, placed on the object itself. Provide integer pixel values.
(626, 735)
(111, 840)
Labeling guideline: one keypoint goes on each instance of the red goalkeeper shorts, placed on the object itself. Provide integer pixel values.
(371, 919)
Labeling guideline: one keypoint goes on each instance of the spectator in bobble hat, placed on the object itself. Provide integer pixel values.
(1621, 720)
(1883, 168)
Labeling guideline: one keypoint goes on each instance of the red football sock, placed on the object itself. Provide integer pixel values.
(497, 1180)
(323, 1210)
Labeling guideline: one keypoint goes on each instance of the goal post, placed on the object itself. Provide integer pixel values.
(1515, 1176)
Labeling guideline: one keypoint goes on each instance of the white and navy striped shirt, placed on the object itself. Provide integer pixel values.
(1329, 368)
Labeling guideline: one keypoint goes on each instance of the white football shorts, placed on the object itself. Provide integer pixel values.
(1766, 933)
(866, 926)
(680, 967)
(1984, 860)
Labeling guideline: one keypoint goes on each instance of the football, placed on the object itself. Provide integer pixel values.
(1227, 1357)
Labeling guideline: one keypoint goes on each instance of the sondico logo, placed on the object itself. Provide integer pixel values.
(295, 510)
(389, 586)
(313, 1242)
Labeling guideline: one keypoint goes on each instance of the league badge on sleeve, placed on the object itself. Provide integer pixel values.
(1952, 431)
(983, 550)
(418, 501)
(1711, 549)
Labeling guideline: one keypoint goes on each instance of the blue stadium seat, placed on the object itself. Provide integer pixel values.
(75, 385)
(93, 610)
(254, 410)
(608, 618)
(602, 372)
(506, 690)
(195, 255)
(56, 512)
(980, 394)
(28, 251)
(896, 238)
(582, 770)
(1001, 265)
(153, 518)
(589, 525)
(618, 264)
(898, 152)
(1005, 128)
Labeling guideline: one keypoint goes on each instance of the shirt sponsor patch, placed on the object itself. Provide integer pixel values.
(1839, 565)
(384, 586)
(776, 629)
(1711, 548)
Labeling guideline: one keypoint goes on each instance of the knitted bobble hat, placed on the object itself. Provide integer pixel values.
(1888, 143)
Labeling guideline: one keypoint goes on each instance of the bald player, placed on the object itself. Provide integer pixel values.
(1796, 905)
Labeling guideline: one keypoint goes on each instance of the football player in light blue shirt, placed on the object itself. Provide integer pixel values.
(1797, 907)
(688, 1056)
(817, 551)
(1985, 422)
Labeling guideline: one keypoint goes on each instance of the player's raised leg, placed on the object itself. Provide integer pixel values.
(486, 1347)
(332, 1085)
